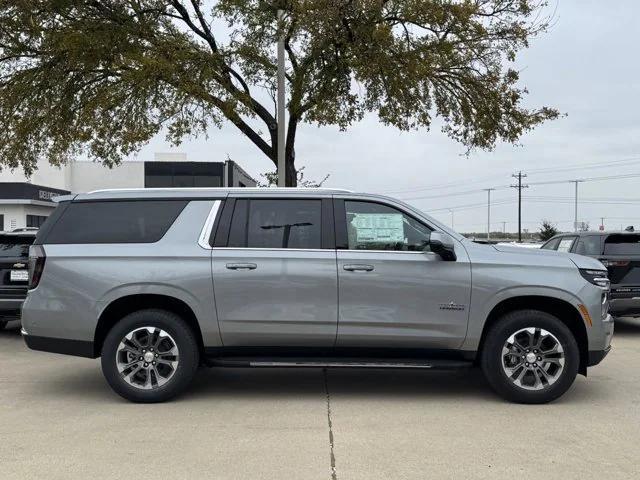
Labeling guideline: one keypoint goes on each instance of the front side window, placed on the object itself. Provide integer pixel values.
(551, 244)
(263, 223)
(565, 244)
(373, 226)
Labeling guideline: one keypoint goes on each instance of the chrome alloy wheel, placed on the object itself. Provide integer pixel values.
(533, 358)
(147, 358)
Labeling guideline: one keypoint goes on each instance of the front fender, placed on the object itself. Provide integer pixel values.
(483, 305)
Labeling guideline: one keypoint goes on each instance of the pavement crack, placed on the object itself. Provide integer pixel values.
(334, 474)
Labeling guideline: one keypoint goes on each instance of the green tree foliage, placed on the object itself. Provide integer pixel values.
(102, 77)
(547, 230)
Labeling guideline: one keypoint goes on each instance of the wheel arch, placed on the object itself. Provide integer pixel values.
(561, 309)
(125, 305)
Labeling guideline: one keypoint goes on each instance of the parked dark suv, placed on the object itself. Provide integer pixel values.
(620, 253)
(14, 278)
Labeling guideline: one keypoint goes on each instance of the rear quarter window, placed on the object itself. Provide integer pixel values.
(622, 245)
(142, 221)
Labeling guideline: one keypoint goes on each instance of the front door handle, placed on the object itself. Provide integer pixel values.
(358, 268)
(241, 266)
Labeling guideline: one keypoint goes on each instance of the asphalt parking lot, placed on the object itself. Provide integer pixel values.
(60, 420)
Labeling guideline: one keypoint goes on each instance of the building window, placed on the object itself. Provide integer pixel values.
(182, 174)
(35, 220)
(1, 222)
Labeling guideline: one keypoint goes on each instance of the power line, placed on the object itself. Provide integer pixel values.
(586, 166)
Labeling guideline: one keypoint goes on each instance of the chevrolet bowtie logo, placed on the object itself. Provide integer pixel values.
(452, 306)
(19, 265)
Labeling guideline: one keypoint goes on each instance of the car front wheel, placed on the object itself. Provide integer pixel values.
(530, 357)
(150, 356)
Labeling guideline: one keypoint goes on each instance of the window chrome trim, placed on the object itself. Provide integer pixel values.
(277, 249)
(321, 250)
(205, 234)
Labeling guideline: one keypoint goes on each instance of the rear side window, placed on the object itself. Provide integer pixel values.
(622, 245)
(263, 223)
(143, 221)
(588, 245)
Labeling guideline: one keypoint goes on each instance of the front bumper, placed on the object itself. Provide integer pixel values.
(620, 307)
(596, 356)
(11, 307)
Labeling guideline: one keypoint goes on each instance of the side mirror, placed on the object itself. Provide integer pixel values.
(443, 245)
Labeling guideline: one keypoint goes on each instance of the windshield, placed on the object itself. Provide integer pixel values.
(15, 246)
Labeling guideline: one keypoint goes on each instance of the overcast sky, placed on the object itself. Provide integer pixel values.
(586, 66)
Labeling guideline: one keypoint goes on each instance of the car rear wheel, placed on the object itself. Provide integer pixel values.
(150, 356)
(530, 357)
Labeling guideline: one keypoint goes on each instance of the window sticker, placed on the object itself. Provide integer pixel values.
(378, 227)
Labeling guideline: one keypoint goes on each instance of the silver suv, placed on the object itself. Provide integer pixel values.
(158, 282)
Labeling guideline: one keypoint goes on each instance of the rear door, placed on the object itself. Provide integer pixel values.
(274, 272)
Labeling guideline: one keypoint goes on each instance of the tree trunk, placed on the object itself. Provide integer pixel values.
(292, 174)
(290, 153)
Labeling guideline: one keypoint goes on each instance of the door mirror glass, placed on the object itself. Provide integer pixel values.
(443, 245)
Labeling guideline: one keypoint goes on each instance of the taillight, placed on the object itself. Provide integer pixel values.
(615, 263)
(37, 258)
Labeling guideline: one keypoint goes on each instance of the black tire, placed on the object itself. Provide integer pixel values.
(3, 324)
(185, 340)
(491, 356)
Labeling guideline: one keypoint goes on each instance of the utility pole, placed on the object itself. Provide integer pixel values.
(602, 223)
(451, 217)
(489, 211)
(575, 213)
(282, 174)
(504, 228)
(519, 186)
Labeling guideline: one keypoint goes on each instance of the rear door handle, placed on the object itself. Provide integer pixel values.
(358, 268)
(241, 266)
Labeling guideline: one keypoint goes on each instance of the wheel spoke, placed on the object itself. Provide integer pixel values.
(540, 358)
(133, 370)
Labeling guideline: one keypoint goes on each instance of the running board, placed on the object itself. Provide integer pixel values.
(339, 363)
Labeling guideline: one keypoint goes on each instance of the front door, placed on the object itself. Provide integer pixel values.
(394, 292)
(275, 282)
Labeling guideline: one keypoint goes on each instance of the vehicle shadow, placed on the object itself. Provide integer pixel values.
(85, 381)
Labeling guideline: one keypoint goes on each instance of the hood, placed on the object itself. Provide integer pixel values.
(579, 261)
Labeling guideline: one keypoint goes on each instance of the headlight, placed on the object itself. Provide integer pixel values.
(605, 304)
(597, 277)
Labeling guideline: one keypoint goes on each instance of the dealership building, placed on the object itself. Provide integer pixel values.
(26, 202)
